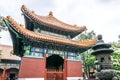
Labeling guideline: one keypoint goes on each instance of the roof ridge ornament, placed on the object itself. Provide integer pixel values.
(75, 25)
(32, 11)
(21, 25)
(50, 13)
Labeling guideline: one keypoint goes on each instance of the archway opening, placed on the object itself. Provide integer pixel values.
(12, 73)
(54, 63)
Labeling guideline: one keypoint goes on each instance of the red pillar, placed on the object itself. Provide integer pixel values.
(3, 74)
(45, 71)
(65, 68)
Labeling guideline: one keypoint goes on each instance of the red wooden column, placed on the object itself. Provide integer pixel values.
(65, 68)
(3, 74)
(45, 71)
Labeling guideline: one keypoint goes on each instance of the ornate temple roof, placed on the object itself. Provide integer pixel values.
(43, 37)
(52, 22)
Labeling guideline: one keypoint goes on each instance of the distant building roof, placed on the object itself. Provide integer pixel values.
(6, 53)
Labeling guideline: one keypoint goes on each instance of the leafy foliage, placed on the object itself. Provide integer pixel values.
(87, 58)
(86, 36)
(88, 61)
(2, 24)
(2, 27)
(116, 57)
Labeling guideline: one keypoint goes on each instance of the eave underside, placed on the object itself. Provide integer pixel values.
(21, 41)
(30, 23)
(16, 40)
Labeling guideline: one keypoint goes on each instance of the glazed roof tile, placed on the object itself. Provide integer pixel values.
(52, 22)
(43, 37)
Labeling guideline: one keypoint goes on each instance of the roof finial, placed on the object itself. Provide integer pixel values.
(74, 25)
(50, 13)
(32, 11)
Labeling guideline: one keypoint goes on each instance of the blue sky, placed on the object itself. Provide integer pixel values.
(102, 16)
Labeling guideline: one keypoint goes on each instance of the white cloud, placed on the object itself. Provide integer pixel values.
(6, 39)
(102, 16)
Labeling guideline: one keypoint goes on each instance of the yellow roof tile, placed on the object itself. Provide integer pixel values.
(52, 22)
(43, 37)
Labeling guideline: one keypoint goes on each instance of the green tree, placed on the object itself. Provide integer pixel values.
(87, 58)
(86, 35)
(2, 24)
(88, 61)
(2, 27)
(119, 36)
(116, 57)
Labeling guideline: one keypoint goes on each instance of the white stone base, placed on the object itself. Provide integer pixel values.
(68, 78)
(30, 78)
(74, 78)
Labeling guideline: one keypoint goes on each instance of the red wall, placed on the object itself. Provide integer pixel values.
(74, 69)
(31, 68)
(34, 68)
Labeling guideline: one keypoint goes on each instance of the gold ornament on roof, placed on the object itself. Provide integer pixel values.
(50, 13)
